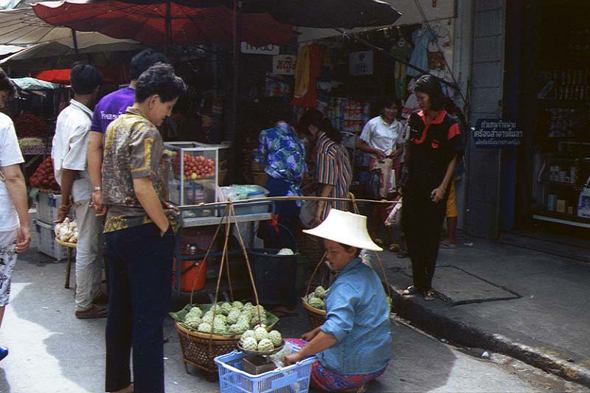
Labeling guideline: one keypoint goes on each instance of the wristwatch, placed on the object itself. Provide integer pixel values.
(97, 189)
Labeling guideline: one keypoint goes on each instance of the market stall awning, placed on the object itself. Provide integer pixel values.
(115, 75)
(87, 43)
(307, 13)
(147, 23)
(34, 84)
(23, 27)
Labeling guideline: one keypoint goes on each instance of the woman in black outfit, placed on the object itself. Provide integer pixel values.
(431, 155)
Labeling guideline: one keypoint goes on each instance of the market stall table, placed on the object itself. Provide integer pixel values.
(192, 222)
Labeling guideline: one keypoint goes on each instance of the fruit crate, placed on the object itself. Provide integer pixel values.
(194, 174)
(232, 379)
(47, 243)
(47, 206)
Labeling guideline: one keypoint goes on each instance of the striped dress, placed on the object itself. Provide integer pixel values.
(333, 167)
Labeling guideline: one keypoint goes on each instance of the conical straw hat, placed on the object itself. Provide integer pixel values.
(346, 228)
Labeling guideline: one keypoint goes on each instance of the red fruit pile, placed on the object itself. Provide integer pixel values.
(195, 167)
(43, 177)
(28, 125)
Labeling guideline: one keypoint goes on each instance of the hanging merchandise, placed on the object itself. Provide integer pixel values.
(411, 104)
(401, 50)
(276, 87)
(309, 67)
(436, 56)
(421, 37)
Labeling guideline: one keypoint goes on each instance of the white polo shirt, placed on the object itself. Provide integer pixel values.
(10, 154)
(380, 135)
(70, 148)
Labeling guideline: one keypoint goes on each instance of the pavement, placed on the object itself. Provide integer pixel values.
(493, 297)
(527, 304)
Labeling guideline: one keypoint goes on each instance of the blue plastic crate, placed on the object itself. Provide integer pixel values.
(291, 379)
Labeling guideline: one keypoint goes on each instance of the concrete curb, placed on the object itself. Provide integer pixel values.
(463, 334)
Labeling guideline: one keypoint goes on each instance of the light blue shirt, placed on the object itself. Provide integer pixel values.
(357, 315)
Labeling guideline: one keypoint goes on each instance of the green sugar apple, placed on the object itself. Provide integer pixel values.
(195, 311)
(260, 333)
(248, 306)
(250, 344)
(254, 312)
(276, 338)
(193, 325)
(221, 317)
(320, 292)
(245, 335)
(233, 316)
(265, 345)
(219, 326)
(238, 328)
(226, 308)
(244, 320)
(204, 327)
(238, 305)
(208, 317)
(192, 319)
(316, 303)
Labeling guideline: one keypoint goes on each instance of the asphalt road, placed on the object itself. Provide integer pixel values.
(53, 352)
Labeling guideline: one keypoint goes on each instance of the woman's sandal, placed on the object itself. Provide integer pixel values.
(394, 248)
(402, 254)
(429, 295)
(411, 290)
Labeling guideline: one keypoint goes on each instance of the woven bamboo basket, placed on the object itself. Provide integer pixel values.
(199, 349)
(316, 317)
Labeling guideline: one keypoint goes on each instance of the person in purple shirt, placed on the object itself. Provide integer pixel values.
(108, 109)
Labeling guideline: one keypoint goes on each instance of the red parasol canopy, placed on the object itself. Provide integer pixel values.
(111, 76)
(147, 23)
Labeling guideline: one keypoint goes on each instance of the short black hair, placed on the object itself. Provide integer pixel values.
(6, 84)
(275, 109)
(348, 248)
(311, 117)
(430, 85)
(159, 79)
(388, 102)
(84, 78)
(144, 60)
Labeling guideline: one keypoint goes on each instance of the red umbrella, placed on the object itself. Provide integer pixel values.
(147, 23)
(111, 76)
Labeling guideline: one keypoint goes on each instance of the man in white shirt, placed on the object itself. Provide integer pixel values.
(15, 233)
(70, 146)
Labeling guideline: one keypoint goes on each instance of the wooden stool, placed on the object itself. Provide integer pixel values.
(71, 247)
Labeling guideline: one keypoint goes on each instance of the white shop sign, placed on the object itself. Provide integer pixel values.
(284, 64)
(361, 63)
(260, 50)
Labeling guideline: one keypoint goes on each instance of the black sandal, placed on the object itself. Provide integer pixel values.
(411, 290)
(402, 254)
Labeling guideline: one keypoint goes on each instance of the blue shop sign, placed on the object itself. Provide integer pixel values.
(496, 133)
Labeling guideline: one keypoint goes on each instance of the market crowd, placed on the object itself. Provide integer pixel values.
(110, 164)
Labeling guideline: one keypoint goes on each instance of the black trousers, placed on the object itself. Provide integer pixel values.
(140, 287)
(422, 222)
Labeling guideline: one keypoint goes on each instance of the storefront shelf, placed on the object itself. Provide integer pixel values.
(561, 183)
(560, 218)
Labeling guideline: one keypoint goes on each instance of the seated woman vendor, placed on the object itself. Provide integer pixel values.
(353, 346)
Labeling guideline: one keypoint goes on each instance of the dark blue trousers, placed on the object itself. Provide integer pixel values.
(288, 218)
(139, 272)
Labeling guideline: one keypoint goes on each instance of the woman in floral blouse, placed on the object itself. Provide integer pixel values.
(283, 156)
